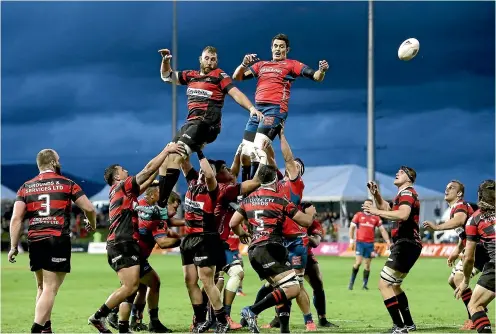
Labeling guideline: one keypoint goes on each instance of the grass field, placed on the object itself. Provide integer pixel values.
(431, 299)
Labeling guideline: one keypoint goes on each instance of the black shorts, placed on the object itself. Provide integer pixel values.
(269, 259)
(481, 257)
(404, 254)
(196, 133)
(123, 255)
(203, 250)
(145, 267)
(52, 254)
(486, 279)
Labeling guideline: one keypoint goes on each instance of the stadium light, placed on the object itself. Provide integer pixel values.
(174, 67)
(370, 98)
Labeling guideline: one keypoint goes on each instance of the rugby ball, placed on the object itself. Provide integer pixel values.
(408, 49)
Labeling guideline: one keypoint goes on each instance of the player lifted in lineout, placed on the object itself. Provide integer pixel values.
(406, 247)
(364, 224)
(206, 91)
(275, 78)
(480, 229)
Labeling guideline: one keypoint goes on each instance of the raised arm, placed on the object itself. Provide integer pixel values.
(458, 220)
(379, 201)
(154, 164)
(243, 101)
(208, 171)
(243, 72)
(287, 154)
(166, 72)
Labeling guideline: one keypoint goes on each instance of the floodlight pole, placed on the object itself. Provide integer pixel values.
(174, 68)
(370, 98)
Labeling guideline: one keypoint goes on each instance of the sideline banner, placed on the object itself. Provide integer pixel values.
(97, 248)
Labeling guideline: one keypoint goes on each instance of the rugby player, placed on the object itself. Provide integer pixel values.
(46, 202)
(406, 247)
(123, 251)
(275, 78)
(206, 91)
(202, 250)
(460, 212)
(365, 225)
(266, 209)
(480, 229)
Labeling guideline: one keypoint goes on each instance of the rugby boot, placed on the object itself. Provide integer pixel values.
(113, 319)
(233, 325)
(136, 324)
(99, 324)
(310, 325)
(222, 328)
(243, 322)
(468, 325)
(251, 319)
(201, 327)
(47, 328)
(323, 322)
(157, 327)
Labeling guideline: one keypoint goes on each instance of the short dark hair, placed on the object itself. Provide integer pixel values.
(217, 164)
(174, 197)
(460, 186)
(210, 49)
(305, 205)
(267, 174)
(281, 37)
(485, 196)
(109, 174)
(302, 165)
(410, 172)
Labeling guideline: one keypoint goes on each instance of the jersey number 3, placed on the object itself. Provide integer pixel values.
(45, 205)
(259, 220)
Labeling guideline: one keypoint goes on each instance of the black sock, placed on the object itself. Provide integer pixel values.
(467, 294)
(274, 298)
(254, 168)
(245, 173)
(47, 328)
(102, 312)
(153, 313)
(264, 291)
(404, 309)
(166, 184)
(36, 328)
(227, 308)
(366, 274)
(354, 273)
(481, 322)
(220, 315)
(115, 310)
(394, 311)
(137, 310)
(319, 301)
(123, 326)
(283, 312)
(200, 314)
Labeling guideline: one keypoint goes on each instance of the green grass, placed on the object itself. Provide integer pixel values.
(431, 299)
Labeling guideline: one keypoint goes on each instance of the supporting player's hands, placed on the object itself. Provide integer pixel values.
(249, 59)
(245, 238)
(368, 207)
(176, 148)
(461, 289)
(165, 53)
(373, 188)
(240, 149)
(323, 66)
(254, 112)
(452, 257)
(87, 225)
(430, 225)
(12, 254)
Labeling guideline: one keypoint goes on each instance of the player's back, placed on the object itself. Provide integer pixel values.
(407, 229)
(480, 228)
(366, 224)
(48, 198)
(293, 191)
(199, 208)
(123, 219)
(266, 210)
(151, 219)
(227, 194)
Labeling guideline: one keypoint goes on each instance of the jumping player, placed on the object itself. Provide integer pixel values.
(406, 247)
(206, 91)
(266, 210)
(46, 202)
(480, 229)
(123, 251)
(275, 78)
(460, 212)
(365, 225)
(202, 250)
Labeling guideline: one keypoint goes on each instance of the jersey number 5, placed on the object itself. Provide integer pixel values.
(259, 220)
(45, 205)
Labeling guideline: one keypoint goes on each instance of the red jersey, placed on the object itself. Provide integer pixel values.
(152, 225)
(366, 224)
(480, 228)
(48, 198)
(266, 211)
(206, 94)
(233, 241)
(315, 229)
(409, 228)
(227, 193)
(464, 207)
(275, 79)
(199, 206)
(123, 219)
(293, 191)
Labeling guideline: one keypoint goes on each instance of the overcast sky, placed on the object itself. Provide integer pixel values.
(83, 78)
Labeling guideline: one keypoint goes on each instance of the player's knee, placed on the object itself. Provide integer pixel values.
(390, 277)
(236, 275)
(451, 281)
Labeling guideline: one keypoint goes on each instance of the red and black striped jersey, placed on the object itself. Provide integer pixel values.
(123, 219)
(266, 210)
(409, 228)
(463, 207)
(199, 206)
(480, 228)
(48, 198)
(206, 94)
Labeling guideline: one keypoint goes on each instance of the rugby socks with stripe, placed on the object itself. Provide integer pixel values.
(354, 273)
(394, 311)
(200, 313)
(166, 184)
(319, 301)
(481, 322)
(274, 298)
(404, 309)
(467, 294)
(283, 313)
(366, 274)
(48, 327)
